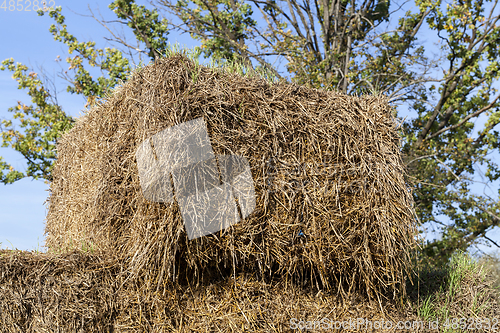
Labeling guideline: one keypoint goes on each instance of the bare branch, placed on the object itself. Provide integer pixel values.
(116, 38)
(472, 115)
(496, 244)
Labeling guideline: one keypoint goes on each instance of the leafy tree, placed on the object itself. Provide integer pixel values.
(441, 145)
(339, 55)
(333, 44)
(145, 24)
(43, 122)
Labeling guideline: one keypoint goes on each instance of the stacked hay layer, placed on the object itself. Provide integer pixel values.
(332, 206)
(82, 292)
(51, 293)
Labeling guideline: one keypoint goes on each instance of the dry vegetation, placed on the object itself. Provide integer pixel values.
(324, 165)
(82, 292)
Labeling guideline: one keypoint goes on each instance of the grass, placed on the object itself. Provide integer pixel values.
(218, 64)
(457, 294)
(85, 247)
(492, 264)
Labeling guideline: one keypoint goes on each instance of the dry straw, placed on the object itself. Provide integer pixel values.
(82, 292)
(333, 209)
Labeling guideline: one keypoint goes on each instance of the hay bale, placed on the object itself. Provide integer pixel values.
(73, 292)
(332, 206)
(84, 292)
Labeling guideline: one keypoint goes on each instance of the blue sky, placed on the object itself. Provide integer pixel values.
(26, 38)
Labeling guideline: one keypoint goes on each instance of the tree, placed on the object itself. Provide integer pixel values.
(43, 122)
(354, 47)
(441, 146)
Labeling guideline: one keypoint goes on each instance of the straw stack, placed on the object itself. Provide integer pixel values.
(332, 209)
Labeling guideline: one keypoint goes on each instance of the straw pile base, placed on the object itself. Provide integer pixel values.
(79, 292)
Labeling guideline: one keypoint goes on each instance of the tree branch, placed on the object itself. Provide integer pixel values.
(472, 115)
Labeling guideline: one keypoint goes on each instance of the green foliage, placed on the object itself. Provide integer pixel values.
(109, 61)
(454, 289)
(443, 129)
(426, 310)
(224, 64)
(44, 122)
(41, 123)
(221, 26)
(145, 24)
